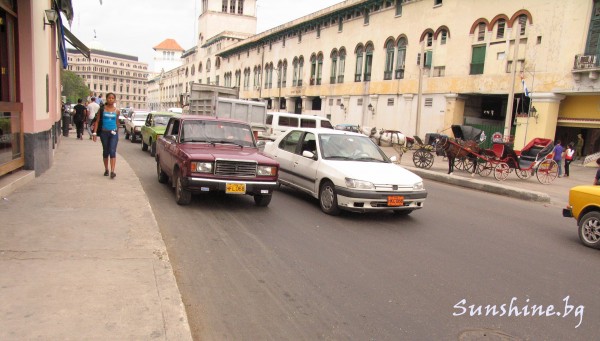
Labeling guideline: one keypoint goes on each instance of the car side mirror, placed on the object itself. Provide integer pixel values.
(309, 155)
(394, 159)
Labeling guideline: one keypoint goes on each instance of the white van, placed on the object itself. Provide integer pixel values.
(279, 122)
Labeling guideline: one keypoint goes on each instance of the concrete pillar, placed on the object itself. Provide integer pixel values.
(542, 123)
(455, 110)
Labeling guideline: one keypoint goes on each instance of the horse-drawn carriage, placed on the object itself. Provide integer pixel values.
(501, 159)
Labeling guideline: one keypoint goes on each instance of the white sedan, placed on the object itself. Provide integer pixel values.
(345, 171)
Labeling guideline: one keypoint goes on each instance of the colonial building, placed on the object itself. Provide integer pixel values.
(106, 72)
(167, 56)
(32, 51)
(524, 68)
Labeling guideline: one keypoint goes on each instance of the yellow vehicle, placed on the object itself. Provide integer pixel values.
(584, 206)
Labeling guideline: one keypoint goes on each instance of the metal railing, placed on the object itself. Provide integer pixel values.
(583, 62)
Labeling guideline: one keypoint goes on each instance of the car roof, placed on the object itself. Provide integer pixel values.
(209, 118)
(319, 131)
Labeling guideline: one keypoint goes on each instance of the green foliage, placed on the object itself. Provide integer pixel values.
(73, 86)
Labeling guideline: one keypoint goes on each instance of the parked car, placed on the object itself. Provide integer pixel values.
(153, 128)
(584, 206)
(345, 171)
(348, 127)
(134, 123)
(202, 154)
(279, 122)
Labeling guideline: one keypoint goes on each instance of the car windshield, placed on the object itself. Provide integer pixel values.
(140, 117)
(350, 147)
(215, 132)
(161, 120)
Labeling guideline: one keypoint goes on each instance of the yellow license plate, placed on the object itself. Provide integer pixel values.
(235, 188)
(395, 200)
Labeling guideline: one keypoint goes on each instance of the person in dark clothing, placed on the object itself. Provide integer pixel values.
(597, 178)
(569, 154)
(79, 118)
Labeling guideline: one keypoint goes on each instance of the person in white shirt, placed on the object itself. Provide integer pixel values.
(92, 108)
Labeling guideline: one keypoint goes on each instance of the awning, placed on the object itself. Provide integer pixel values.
(76, 43)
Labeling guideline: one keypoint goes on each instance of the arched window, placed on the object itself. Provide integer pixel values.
(334, 59)
(218, 63)
(389, 60)
(368, 62)
(208, 65)
(359, 63)
(199, 67)
(341, 65)
(501, 26)
(300, 70)
(481, 31)
(401, 59)
(319, 68)
(284, 73)
(522, 24)
(193, 72)
(296, 65)
(313, 69)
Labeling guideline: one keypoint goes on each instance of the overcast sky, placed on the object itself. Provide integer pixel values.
(133, 27)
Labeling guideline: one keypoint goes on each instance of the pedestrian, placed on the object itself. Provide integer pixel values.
(569, 153)
(558, 151)
(597, 178)
(99, 100)
(109, 133)
(579, 147)
(79, 118)
(92, 108)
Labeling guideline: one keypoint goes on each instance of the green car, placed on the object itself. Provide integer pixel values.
(155, 126)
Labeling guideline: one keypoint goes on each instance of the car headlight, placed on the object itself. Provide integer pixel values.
(266, 171)
(418, 186)
(359, 184)
(201, 167)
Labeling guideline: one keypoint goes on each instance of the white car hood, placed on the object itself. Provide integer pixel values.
(376, 172)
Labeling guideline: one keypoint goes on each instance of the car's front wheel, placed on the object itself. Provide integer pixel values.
(328, 199)
(262, 200)
(152, 147)
(182, 195)
(589, 229)
(132, 137)
(144, 145)
(126, 134)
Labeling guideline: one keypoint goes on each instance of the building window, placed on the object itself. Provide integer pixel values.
(437, 2)
(439, 71)
(389, 60)
(319, 68)
(240, 7)
(401, 59)
(318, 31)
(300, 70)
(232, 6)
(359, 64)
(295, 77)
(429, 39)
(522, 24)
(481, 32)
(224, 7)
(366, 17)
(334, 58)
(340, 24)
(477, 60)
(313, 69)
(444, 37)
(501, 27)
(390, 102)
(368, 62)
(284, 77)
(341, 66)
(399, 7)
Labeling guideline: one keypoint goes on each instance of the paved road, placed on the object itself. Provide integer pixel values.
(289, 271)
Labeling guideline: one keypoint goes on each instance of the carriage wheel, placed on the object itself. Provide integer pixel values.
(423, 159)
(459, 163)
(501, 171)
(469, 165)
(485, 168)
(522, 173)
(547, 171)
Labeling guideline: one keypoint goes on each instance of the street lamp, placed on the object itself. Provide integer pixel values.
(371, 108)
(534, 113)
(345, 109)
(50, 15)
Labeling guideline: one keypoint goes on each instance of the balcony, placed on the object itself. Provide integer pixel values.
(586, 64)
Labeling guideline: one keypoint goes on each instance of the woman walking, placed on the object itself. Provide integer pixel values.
(569, 153)
(106, 127)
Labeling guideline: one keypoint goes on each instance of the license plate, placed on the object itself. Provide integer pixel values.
(235, 188)
(395, 200)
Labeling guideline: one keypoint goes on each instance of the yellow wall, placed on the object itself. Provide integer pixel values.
(580, 107)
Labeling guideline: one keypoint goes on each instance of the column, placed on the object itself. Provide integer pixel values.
(542, 123)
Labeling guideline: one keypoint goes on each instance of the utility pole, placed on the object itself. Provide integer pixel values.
(420, 91)
(511, 94)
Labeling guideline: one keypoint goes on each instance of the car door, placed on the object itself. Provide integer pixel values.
(166, 158)
(305, 168)
(146, 128)
(284, 152)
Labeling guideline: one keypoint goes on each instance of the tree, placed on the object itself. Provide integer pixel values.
(73, 86)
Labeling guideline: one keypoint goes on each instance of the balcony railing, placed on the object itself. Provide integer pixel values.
(583, 62)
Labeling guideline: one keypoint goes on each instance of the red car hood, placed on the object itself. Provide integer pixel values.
(207, 152)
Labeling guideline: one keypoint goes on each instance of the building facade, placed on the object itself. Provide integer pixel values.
(32, 47)
(118, 73)
(167, 56)
(524, 68)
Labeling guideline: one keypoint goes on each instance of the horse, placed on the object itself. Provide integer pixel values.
(384, 137)
(457, 150)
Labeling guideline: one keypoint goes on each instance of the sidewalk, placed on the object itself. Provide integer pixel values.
(556, 192)
(82, 257)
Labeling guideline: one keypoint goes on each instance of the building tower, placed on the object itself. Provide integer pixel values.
(167, 55)
(220, 16)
